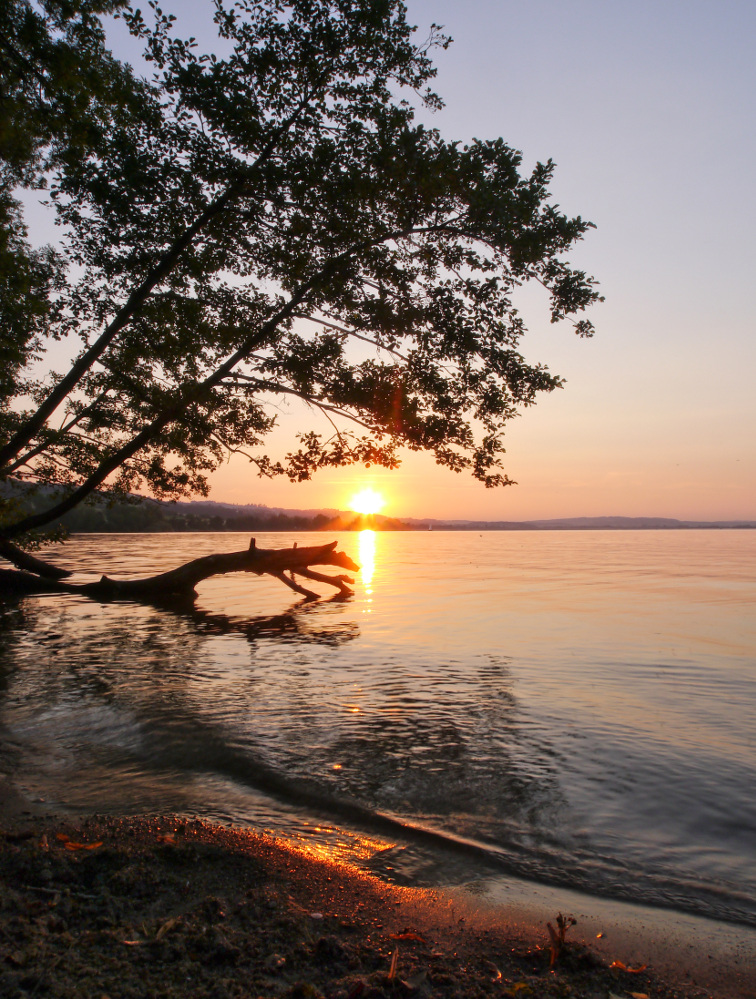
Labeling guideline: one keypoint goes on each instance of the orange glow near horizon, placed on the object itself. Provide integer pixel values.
(367, 501)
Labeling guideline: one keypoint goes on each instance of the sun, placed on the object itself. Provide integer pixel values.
(367, 501)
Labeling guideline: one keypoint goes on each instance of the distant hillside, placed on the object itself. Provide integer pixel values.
(141, 515)
(579, 524)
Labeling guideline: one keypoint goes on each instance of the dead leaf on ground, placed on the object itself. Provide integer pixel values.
(413, 982)
(357, 989)
(69, 844)
(495, 973)
(623, 967)
(407, 935)
(167, 925)
(393, 966)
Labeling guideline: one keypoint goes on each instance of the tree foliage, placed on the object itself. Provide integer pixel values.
(260, 222)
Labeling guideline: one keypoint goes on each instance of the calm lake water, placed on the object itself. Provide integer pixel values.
(574, 708)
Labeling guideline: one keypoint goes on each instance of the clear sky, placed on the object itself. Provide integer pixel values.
(648, 110)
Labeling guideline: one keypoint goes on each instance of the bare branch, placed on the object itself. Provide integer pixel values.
(29, 563)
(179, 584)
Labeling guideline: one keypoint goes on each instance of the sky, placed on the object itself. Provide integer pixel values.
(648, 111)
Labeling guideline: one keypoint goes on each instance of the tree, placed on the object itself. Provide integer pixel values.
(234, 227)
(60, 90)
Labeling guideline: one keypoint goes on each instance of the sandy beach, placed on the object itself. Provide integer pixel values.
(175, 907)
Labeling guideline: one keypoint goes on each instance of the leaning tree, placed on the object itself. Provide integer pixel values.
(259, 219)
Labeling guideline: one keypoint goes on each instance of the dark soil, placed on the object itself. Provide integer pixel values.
(177, 908)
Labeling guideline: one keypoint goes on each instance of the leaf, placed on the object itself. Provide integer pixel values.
(623, 967)
(495, 973)
(639, 995)
(357, 989)
(393, 966)
(69, 844)
(167, 925)
(415, 981)
(166, 838)
(554, 946)
(407, 935)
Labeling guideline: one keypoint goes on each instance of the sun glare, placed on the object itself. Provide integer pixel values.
(368, 501)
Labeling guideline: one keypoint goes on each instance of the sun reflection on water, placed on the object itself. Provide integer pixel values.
(367, 558)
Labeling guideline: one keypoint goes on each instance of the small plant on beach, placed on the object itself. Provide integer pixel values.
(557, 937)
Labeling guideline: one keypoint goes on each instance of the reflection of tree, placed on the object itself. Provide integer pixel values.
(130, 648)
(447, 747)
(14, 618)
(300, 623)
(127, 680)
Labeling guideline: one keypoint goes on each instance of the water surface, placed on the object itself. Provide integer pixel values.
(576, 708)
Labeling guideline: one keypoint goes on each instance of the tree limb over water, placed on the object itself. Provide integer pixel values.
(261, 220)
(178, 585)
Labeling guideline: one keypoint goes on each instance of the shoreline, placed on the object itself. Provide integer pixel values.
(177, 907)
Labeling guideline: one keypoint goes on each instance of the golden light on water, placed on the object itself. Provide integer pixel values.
(367, 501)
(333, 844)
(366, 558)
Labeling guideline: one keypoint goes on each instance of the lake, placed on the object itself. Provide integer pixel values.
(569, 708)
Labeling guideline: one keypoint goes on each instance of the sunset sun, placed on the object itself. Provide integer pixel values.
(367, 501)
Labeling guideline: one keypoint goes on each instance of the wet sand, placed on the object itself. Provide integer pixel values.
(179, 907)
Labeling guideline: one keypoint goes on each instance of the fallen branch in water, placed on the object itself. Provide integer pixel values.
(179, 584)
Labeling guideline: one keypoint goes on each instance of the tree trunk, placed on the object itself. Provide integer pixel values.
(178, 585)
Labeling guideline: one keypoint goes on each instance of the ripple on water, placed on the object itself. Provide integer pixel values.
(580, 705)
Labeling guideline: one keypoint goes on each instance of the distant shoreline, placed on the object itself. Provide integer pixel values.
(142, 515)
(366, 523)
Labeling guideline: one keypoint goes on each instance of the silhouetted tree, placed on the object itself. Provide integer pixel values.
(232, 229)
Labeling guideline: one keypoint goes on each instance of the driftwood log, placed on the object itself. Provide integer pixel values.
(37, 576)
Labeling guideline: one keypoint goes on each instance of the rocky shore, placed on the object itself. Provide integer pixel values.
(170, 907)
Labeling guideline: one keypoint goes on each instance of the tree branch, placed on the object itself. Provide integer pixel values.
(179, 584)
(139, 296)
(196, 391)
(29, 563)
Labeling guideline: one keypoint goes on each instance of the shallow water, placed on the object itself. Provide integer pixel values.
(576, 708)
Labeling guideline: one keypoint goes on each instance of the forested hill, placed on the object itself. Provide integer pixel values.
(141, 515)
